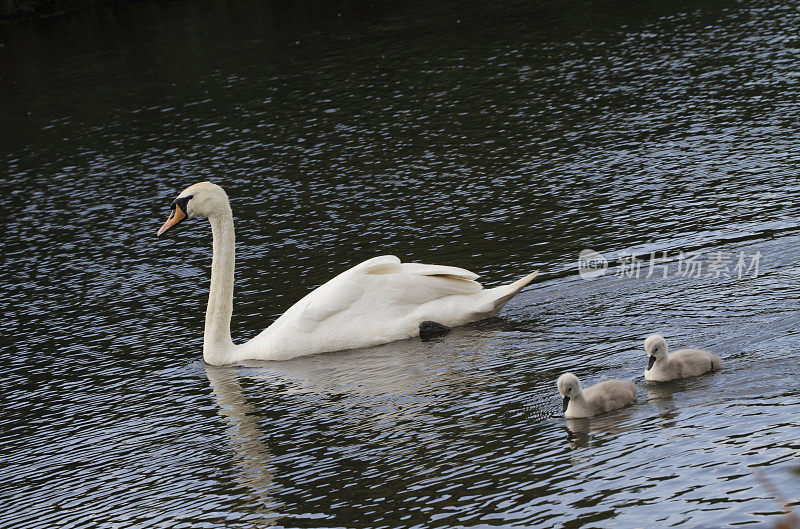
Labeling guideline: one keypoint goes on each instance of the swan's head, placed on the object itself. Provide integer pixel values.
(199, 200)
(656, 347)
(569, 386)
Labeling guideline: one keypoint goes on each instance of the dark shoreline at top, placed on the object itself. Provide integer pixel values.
(21, 11)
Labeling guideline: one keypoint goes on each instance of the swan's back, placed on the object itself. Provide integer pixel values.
(609, 395)
(693, 362)
(378, 301)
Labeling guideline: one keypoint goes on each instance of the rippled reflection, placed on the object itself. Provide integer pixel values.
(247, 442)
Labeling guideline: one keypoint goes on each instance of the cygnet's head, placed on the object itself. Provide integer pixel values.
(656, 347)
(199, 200)
(569, 386)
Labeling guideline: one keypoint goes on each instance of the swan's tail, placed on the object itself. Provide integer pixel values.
(499, 296)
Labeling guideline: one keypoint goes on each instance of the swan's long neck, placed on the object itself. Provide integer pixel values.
(217, 343)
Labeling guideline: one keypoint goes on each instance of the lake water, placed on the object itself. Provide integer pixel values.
(498, 139)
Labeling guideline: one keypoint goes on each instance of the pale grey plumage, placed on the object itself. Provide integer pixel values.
(683, 363)
(601, 398)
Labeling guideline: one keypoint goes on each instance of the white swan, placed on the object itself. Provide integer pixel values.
(378, 301)
(662, 366)
(601, 398)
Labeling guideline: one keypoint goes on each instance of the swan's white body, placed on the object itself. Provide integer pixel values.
(682, 363)
(378, 301)
(601, 398)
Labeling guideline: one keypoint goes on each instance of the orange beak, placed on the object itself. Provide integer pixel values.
(174, 219)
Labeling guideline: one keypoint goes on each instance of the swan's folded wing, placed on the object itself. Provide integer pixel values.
(376, 263)
(385, 287)
(415, 284)
(329, 299)
(419, 269)
(337, 295)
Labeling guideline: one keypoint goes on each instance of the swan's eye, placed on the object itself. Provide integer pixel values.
(181, 202)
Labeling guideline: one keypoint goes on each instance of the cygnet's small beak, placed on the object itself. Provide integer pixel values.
(566, 403)
(650, 361)
(175, 218)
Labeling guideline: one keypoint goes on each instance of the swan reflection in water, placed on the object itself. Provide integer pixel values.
(397, 388)
(406, 375)
(411, 368)
(663, 396)
(246, 440)
(581, 431)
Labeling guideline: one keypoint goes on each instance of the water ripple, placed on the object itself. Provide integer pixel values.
(626, 130)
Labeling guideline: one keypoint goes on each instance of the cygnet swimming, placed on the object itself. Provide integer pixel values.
(662, 366)
(600, 398)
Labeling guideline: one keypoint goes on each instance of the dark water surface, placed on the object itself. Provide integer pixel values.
(500, 139)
